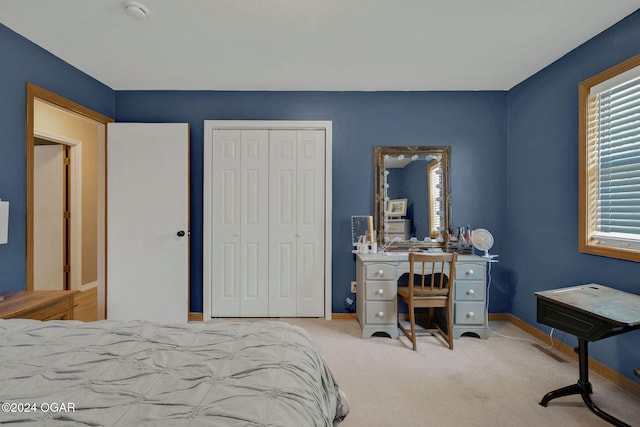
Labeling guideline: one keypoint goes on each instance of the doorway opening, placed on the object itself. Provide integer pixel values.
(80, 254)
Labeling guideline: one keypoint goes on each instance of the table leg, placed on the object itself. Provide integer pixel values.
(582, 387)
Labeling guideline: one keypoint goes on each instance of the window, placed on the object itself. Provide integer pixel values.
(609, 162)
(434, 178)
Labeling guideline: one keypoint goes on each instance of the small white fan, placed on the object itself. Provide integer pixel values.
(483, 241)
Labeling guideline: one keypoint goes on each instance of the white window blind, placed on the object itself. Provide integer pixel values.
(435, 188)
(614, 117)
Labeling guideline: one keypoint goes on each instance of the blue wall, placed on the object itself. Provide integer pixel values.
(22, 62)
(542, 195)
(472, 123)
(514, 163)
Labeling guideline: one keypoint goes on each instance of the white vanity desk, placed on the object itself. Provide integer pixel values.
(376, 294)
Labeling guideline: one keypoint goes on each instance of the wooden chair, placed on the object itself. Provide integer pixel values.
(427, 287)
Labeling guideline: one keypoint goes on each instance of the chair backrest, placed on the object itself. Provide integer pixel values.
(427, 267)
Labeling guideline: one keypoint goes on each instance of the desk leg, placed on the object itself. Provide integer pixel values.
(582, 387)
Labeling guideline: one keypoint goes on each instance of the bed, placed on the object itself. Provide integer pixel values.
(108, 373)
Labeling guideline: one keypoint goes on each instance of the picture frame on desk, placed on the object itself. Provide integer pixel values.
(397, 207)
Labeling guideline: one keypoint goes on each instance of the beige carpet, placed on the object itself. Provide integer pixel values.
(494, 382)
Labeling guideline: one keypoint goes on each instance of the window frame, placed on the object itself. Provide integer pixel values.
(586, 181)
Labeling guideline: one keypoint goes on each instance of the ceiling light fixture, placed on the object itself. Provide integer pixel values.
(136, 10)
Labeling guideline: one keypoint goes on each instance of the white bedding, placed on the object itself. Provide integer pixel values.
(107, 373)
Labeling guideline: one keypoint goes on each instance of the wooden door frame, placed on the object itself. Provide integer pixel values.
(34, 92)
(209, 127)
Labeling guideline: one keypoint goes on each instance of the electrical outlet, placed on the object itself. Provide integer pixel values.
(353, 287)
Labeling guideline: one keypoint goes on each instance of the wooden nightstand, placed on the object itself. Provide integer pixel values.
(38, 305)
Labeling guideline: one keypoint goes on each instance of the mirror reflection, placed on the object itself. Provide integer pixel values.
(412, 203)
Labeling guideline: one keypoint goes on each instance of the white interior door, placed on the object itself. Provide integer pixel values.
(48, 223)
(147, 222)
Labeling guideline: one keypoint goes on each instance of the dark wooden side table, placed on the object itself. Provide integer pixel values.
(38, 305)
(590, 312)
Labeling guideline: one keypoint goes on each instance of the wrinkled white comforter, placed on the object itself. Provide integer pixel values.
(108, 373)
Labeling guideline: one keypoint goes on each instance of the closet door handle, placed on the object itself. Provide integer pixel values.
(180, 233)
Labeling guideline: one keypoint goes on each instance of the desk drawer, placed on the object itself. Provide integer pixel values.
(381, 271)
(380, 312)
(465, 271)
(572, 321)
(469, 313)
(403, 267)
(470, 290)
(59, 310)
(380, 289)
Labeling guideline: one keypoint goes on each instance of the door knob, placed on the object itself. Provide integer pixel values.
(180, 233)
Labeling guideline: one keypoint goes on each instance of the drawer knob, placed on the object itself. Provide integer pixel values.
(470, 314)
(380, 292)
(381, 273)
(470, 292)
(380, 314)
(469, 272)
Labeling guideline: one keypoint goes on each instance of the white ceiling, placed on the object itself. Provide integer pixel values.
(313, 44)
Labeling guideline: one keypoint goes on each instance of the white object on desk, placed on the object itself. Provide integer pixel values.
(482, 240)
(4, 226)
(399, 228)
(4, 222)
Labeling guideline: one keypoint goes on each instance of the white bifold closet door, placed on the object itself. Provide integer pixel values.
(147, 222)
(296, 219)
(241, 223)
(267, 223)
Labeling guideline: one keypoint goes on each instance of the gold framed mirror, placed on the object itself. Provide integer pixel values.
(421, 175)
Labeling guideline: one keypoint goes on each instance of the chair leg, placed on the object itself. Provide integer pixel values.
(449, 328)
(403, 329)
(412, 320)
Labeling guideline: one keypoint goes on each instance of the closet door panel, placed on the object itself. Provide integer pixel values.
(228, 269)
(225, 289)
(254, 227)
(283, 237)
(283, 268)
(310, 224)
